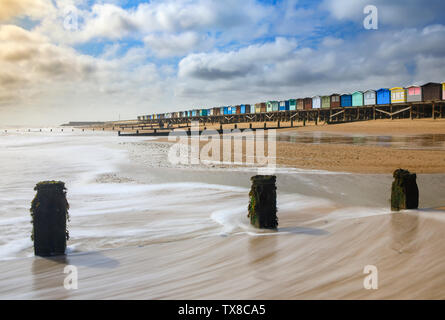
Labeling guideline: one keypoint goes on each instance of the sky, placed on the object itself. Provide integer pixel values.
(93, 60)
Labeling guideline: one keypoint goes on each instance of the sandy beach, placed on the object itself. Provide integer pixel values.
(142, 228)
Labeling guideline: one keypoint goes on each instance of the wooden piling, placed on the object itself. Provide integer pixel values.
(263, 202)
(404, 191)
(49, 212)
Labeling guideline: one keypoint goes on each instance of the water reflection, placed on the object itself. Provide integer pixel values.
(424, 141)
(48, 277)
(262, 254)
(404, 227)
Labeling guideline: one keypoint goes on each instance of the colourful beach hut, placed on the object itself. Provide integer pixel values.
(300, 104)
(432, 91)
(414, 93)
(357, 99)
(283, 105)
(369, 98)
(346, 100)
(383, 96)
(325, 102)
(316, 102)
(307, 103)
(292, 104)
(263, 107)
(398, 95)
(443, 90)
(275, 106)
(335, 100)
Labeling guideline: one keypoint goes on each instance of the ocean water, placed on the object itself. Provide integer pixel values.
(116, 202)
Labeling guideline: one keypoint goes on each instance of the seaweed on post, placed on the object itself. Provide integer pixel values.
(404, 191)
(263, 202)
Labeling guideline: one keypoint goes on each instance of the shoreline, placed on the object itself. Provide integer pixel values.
(184, 233)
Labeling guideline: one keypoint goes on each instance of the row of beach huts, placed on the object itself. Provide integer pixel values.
(416, 93)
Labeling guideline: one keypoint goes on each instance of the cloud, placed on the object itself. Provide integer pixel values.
(235, 64)
(10, 9)
(112, 22)
(27, 53)
(161, 56)
(167, 45)
(399, 13)
(281, 69)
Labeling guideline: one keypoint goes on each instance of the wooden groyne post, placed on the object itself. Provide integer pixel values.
(404, 191)
(49, 213)
(263, 202)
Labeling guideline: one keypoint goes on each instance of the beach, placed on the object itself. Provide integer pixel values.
(143, 228)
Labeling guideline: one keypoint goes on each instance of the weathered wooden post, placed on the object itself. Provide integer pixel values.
(404, 191)
(263, 202)
(49, 213)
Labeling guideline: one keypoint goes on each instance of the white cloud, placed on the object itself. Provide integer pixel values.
(280, 69)
(166, 45)
(390, 13)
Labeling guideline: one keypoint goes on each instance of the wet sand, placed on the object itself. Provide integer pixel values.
(319, 251)
(315, 260)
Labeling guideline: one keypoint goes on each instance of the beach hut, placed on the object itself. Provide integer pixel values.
(216, 111)
(263, 107)
(233, 109)
(275, 106)
(346, 100)
(269, 106)
(335, 100)
(398, 95)
(292, 104)
(357, 99)
(316, 102)
(284, 105)
(225, 110)
(369, 98)
(443, 90)
(325, 102)
(413, 93)
(242, 109)
(257, 107)
(432, 91)
(300, 104)
(383, 96)
(307, 103)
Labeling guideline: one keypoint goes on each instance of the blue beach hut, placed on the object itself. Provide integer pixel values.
(383, 96)
(346, 100)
